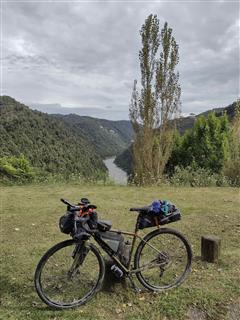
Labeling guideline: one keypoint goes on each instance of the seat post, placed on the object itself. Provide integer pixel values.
(137, 224)
(133, 242)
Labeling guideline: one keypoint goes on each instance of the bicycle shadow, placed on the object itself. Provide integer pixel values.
(12, 290)
(110, 281)
(9, 286)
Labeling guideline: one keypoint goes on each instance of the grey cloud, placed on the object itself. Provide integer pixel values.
(85, 54)
(92, 112)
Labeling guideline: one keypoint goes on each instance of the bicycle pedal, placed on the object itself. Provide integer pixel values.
(137, 290)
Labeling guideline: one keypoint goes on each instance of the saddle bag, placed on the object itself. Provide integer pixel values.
(150, 220)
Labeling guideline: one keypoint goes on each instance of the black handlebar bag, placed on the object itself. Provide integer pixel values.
(66, 223)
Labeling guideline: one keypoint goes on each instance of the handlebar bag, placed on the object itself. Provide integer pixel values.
(66, 223)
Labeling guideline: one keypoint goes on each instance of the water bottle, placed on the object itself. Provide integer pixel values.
(117, 271)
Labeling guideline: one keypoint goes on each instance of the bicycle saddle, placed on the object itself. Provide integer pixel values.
(141, 210)
(84, 202)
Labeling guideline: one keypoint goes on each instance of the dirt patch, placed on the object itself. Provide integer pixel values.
(196, 314)
(234, 311)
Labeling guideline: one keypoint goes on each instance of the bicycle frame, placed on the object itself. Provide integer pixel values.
(126, 269)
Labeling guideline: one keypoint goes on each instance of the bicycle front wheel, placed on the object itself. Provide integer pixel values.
(69, 274)
(163, 259)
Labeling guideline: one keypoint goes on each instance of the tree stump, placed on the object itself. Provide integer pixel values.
(210, 248)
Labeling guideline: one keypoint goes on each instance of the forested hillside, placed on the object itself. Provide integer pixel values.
(109, 138)
(48, 143)
(71, 144)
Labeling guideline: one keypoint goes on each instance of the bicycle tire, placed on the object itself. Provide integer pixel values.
(68, 245)
(143, 277)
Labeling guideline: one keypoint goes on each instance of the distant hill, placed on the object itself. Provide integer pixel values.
(48, 142)
(185, 123)
(95, 112)
(124, 160)
(109, 138)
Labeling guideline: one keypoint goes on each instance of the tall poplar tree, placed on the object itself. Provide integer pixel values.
(157, 102)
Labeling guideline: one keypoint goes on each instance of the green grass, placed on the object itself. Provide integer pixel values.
(35, 210)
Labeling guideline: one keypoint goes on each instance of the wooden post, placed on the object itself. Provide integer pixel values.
(210, 248)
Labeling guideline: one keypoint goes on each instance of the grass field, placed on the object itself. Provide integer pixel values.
(29, 226)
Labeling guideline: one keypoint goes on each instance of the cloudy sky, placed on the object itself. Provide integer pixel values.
(85, 53)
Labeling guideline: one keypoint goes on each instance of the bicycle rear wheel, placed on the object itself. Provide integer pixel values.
(69, 274)
(164, 259)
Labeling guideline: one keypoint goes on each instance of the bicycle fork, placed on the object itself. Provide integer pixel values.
(79, 254)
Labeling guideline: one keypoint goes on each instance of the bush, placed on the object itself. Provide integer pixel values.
(197, 177)
(207, 144)
(232, 172)
(42, 177)
(13, 169)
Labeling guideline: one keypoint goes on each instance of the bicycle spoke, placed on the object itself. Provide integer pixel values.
(163, 260)
(66, 280)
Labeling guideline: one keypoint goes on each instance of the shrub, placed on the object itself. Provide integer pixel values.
(207, 144)
(14, 169)
(232, 172)
(197, 177)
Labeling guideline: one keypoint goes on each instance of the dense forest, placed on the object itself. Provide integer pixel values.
(48, 143)
(109, 138)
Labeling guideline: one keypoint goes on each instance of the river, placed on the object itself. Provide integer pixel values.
(115, 173)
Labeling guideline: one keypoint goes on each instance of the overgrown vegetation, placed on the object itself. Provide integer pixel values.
(29, 226)
(157, 102)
